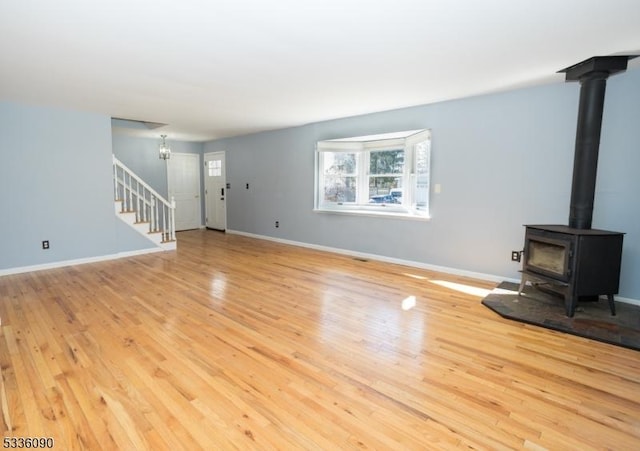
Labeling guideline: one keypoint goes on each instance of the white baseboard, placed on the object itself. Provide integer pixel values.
(627, 300)
(414, 264)
(382, 258)
(79, 261)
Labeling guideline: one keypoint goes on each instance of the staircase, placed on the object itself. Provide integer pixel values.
(140, 206)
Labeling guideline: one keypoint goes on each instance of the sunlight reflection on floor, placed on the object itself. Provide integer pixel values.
(408, 303)
(470, 289)
(218, 286)
(415, 276)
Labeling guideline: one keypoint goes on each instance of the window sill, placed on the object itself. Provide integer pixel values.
(375, 214)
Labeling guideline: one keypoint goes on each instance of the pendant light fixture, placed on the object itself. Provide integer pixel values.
(164, 150)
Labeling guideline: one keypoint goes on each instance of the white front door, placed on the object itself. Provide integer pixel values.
(215, 191)
(183, 171)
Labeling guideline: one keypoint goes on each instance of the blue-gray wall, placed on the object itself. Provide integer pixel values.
(56, 185)
(502, 160)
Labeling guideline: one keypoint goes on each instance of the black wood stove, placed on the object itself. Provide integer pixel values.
(580, 264)
(576, 261)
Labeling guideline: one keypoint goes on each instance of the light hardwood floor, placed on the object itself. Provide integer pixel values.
(237, 343)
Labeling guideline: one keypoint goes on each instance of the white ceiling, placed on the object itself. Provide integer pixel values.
(217, 68)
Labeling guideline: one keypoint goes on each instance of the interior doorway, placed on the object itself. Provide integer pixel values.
(215, 190)
(183, 173)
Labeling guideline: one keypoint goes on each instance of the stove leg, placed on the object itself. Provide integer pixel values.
(612, 305)
(568, 311)
(523, 282)
(570, 305)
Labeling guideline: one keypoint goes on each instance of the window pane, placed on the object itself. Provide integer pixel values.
(422, 157)
(339, 189)
(340, 181)
(339, 163)
(215, 168)
(422, 175)
(386, 162)
(385, 189)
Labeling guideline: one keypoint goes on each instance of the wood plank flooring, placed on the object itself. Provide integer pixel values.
(237, 343)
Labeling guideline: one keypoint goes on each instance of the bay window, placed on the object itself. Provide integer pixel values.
(380, 174)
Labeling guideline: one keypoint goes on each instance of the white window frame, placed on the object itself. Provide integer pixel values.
(362, 146)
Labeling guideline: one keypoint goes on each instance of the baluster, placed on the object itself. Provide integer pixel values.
(164, 222)
(115, 180)
(133, 198)
(160, 224)
(151, 208)
(130, 194)
(121, 191)
(124, 190)
(121, 188)
(141, 203)
(144, 204)
(173, 218)
(138, 215)
(167, 222)
(155, 203)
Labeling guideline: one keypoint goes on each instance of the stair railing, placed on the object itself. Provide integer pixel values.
(149, 206)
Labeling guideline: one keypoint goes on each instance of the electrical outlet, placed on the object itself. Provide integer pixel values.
(277, 224)
(247, 186)
(515, 256)
(45, 244)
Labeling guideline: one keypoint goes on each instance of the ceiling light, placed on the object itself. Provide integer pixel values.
(164, 151)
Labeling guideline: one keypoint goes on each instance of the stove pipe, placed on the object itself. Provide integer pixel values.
(585, 160)
(592, 74)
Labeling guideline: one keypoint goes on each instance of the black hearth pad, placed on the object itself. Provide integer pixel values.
(591, 320)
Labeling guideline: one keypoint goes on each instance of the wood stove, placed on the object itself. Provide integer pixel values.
(577, 261)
